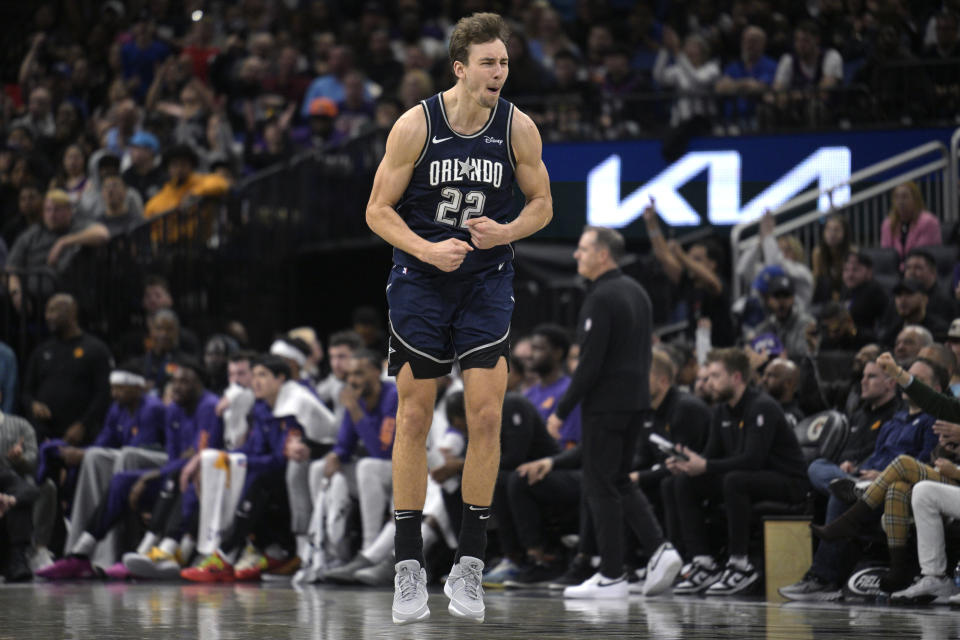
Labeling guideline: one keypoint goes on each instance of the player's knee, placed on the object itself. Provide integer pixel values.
(414, 418)
(484, 422)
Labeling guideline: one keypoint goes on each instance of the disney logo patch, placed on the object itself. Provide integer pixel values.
(491, 139)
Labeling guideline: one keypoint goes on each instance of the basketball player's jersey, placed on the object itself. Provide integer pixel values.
(458, 177)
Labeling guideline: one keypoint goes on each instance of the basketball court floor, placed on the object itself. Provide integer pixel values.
(143, 610)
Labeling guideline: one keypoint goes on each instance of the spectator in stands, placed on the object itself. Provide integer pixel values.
(330, 85)
(528, 79)
(379, 63)
(66, 386)
(29, 212)
(117, 218)
(622, 112)
(908, 432)
(184, 182)
(945, 78)
(52, 243)
(355, 111)
(163, 349)
(370, 420)
(829, 257)
(921, 266)
(909, 225)
(141, 55)
(690, 73)
(319, 132)
(932, 504)
(806, 69)
(91, 205)
(746, 79)
(786, 318)
(696, 275)
(780, 380)
(416, 85)
(340, 351)
(953, 343)
(910, 308)
(900, 88)
(144, 173)
(570, 102)
(678, 416)
(910, 341)
(9, 377)
(18, 461)
(781, 252)
(761, 460)
(879, 402)
(39, 117)
(863, 296)
(72, 177)
(368, 324)
(549, 345)
(836, 330)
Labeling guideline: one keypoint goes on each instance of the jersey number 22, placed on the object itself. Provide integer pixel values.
(449, 208)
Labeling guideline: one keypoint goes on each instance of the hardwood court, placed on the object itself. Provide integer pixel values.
(117, 610)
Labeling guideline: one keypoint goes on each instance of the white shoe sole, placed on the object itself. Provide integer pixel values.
(421, 615)
(656, 584)
(461, 613)
(142, 567)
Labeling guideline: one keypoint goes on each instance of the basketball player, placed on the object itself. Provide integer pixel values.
(443, 197)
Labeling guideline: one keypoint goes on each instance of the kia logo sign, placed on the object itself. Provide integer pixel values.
(828, 166)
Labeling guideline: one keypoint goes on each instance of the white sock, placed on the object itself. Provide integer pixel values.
(303, 547)
(149, 541)
(705, 561)
(169, 545)
(85, 545)
(187, 546)
(740, 562)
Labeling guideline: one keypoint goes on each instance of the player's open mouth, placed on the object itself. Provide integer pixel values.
(493, 89)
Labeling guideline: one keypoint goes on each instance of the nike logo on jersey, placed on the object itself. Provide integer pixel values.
(437, 140)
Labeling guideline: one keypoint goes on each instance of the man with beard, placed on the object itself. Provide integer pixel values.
(66, 389)
(779, 380)
(751, 455)
(549, 346)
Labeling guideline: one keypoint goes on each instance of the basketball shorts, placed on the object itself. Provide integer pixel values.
(437, 319)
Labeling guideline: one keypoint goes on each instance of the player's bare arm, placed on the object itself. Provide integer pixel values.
(404, 144)
(532, 178)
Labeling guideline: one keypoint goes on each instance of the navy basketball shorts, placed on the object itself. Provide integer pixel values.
(437, 319)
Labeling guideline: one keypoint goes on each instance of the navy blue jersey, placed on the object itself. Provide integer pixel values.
(459, 177)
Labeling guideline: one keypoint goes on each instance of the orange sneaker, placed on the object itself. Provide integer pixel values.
(213, 569)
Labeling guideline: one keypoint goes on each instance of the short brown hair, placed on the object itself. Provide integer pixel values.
(661, 364)
(610, 239)
(476, 29)
(734, 360)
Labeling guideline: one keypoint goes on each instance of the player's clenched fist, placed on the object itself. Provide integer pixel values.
(448, 255)
(486, 234)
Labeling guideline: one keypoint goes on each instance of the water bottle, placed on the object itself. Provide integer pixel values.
(956, 575)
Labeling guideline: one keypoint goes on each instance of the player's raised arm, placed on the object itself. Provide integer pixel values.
(404, 145)
(532, 178)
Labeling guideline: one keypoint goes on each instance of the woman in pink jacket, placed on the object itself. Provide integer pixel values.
(909, 226)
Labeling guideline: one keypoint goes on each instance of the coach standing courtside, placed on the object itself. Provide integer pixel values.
(611, 382)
